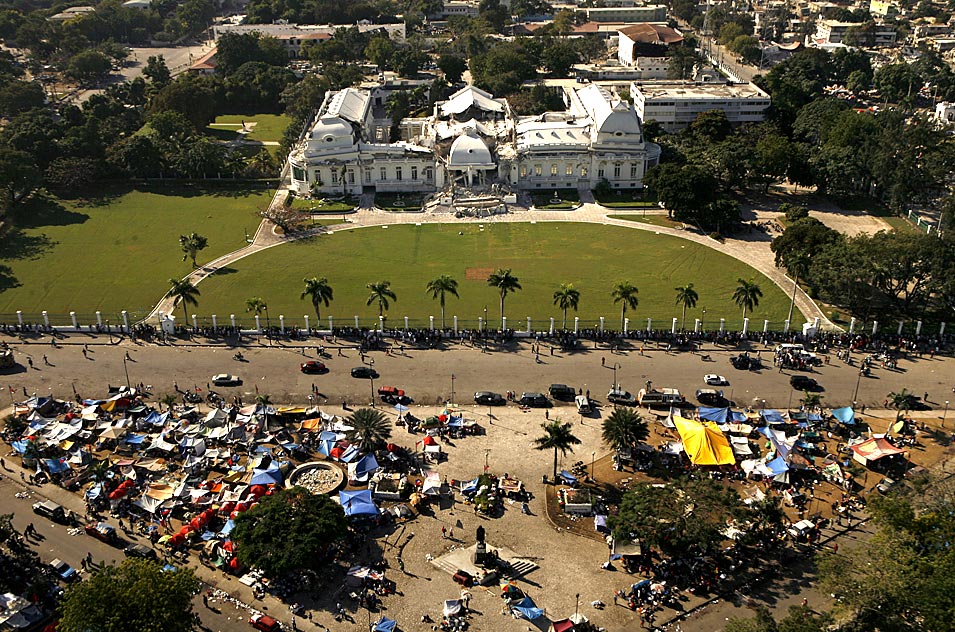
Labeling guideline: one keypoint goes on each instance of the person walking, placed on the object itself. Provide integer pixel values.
(444, 532)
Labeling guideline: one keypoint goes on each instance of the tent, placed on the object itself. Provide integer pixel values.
(365, 467)
(567, 477)
(873, 450)
(564, 625)
(773, 416)
(704, 443)
(269, 476)
(451, 607)
(846, 416)
(358, 503)
(385, 625)
(778, 466)
(719, 415)
(528, 609)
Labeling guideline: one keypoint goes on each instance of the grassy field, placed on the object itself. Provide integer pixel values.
(117, 252)
(593, 257)
(268, 127)
(626, 198)
(653, 220)
(567, 199)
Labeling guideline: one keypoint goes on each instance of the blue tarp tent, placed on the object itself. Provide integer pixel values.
(54, 466)
(814, 417)
(350, 454)
(227, 528)
(94, 491)
(134, 439)
(385, 625)
(719, 415)
(772, 416)
(366, 466)
(270, 476)
(469, 487)
(456, 422)
(358, 503)
(845, 416)
(20, 447)
(156, 419)
(528, 609)
(778, 466)
(567, 477)
(739, 418)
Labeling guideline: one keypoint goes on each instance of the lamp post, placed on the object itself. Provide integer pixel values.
(109, 332)
(855, 394)
(126, 371)
(702, 320)
(576, 605)
(372, 376)
(593, 457)
(268, 325)
(451, 401)
(944, 413)
(616, 365)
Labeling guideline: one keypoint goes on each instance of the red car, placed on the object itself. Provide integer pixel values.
(102, 532)
(265, 623)
(314, 366)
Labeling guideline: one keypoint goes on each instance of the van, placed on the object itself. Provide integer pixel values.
(790, 348)
(51, 510)
(584, 406)
(663, 397)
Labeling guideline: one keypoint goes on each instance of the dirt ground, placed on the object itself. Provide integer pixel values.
(569, 565)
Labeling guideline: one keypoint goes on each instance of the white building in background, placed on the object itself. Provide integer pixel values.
(674, 104)
(471, 141)
(641, 13)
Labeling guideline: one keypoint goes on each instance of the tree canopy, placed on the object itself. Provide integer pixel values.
(290, 530)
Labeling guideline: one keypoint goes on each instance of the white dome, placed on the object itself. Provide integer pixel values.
(468, 150)
(331, 129)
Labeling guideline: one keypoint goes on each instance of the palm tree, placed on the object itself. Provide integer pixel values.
(688, 297)
(811, 401)
(265, 401)
(624, 428)
(98, 470)
(380, 293)
(903, 401)
(441, 286)
(557, 435)
(370, 428)
(319, 291)
(168, 400)
(567, 297)
(505, 282)
(191, 245)
(747, 295)
(185, 293)
(256, 305)
(626, 293)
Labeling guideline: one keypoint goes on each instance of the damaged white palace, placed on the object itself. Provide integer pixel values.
(472, 141)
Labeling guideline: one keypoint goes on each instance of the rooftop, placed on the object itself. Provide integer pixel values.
(698, 90)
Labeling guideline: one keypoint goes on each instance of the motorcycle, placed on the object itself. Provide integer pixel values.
(238, 356)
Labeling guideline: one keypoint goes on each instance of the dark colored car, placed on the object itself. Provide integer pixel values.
(314, 366)
(365, 372)
(51, 510)
(562, 392)
(803, 383)
(64, 571)
(141, 551)
(534, 400)
(487, 398)
(711, 397)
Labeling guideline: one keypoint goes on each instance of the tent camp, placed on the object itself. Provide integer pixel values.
(704, 442)
(358, 503)
(385, 625)
(846, 416)
(873, 449)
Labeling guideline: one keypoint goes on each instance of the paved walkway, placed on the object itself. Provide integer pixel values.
(750, 248)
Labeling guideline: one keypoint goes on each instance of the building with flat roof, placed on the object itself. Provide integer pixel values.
(639, 41)
(472, 141)
(644, 13)
(294, 36)
(674, 104)
(834, 32)
(73, 12)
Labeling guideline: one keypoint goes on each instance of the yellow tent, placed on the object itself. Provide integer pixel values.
(704, 442)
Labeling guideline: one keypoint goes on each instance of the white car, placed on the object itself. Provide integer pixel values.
(224, 379)
(715, 380)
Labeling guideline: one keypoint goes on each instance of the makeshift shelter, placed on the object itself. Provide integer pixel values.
(362, 469)
(704, 442)
(528, 609)
(385, 625)
(564, 625)
(874, 449)
(358, 503)
(846, 416)
(719, 415)
(451, 607)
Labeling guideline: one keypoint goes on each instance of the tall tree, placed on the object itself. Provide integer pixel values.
(625, 293)
(453, 67)
(686, 296)
(505, 282)
(185, 293)
(136, 595)
(19, 177)
(370, 428)
(289, 531)
(558, 436)
(157, 72)
(191, 245)
(624, 428)
(566, 297)
(381, 293)
(257, 306)
(747, 295)
(319, 292)
(440, 287)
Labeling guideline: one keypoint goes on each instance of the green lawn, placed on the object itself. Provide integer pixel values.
(117, 252)
(593, 257)
(324, 205)
(399, 202)
(654, 220)
(626, 198)
(568, 198)
(268, 127)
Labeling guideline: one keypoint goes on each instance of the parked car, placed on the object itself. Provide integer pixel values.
(488, 398)
(803, 383)
(53, 511)
(562, 392)
(711, 397)
(886, 485)
(224, 379)
(265, 623)
(64, 571)
(314, 366)
(141, 551)
(364, 372)
(715, 380)
(102, 532)
(393, 395)
(534, 400)
(621, 396)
